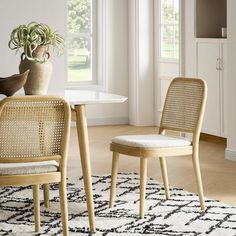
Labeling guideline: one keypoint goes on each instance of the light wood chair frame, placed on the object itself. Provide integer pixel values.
(43, 178)
(145, 153)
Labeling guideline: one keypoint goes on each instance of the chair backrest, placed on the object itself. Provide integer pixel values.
(184, 105)
(34, 128)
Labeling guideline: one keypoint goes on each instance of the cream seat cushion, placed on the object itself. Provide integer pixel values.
(28, 168)
(151, 141)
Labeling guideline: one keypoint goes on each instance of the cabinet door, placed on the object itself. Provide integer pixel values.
(223, 77)
(208, 66)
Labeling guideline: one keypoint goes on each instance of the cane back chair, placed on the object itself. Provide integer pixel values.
(34, 135)
(183, 112)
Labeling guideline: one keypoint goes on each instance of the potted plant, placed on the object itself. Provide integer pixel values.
(35, 40)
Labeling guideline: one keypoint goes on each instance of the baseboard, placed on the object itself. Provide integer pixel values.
(142, 124)
(213, 138)
(102, 121)
(230, 154)
(108, 121)
(105, 121)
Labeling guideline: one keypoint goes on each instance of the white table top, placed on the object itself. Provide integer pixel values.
(79, 97)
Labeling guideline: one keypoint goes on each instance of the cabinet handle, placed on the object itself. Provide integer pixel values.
(221, 64)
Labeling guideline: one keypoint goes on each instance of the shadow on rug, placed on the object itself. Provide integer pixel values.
(179, 216)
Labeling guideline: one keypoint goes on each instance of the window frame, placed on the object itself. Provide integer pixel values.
(99, 49)
(161, 24)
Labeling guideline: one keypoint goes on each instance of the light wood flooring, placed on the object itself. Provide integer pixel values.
(218, 174)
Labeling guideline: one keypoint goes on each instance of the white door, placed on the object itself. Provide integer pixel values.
(207, 68)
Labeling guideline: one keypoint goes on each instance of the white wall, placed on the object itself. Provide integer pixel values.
(53, 12)
(14, 13)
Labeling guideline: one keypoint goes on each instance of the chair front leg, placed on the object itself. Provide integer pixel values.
(115, 163)
(46, 195)
(63, 206)
(143, 176)
(36, 207)
(195, 158)
(165, 176)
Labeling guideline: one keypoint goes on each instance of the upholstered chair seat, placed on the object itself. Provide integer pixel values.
(151, 141)
(28, 168)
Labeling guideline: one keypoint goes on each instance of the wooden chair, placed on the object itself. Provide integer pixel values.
(34, 134)
(183, 112)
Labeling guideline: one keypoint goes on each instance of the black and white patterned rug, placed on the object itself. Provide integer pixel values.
(179, 216)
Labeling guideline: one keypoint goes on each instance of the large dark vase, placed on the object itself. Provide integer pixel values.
(40, 72)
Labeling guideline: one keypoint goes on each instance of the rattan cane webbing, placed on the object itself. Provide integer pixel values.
(31, 128)
(183, 104)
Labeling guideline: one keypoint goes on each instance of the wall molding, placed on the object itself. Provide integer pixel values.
(133, 62)
(102, 44)
(141, 62)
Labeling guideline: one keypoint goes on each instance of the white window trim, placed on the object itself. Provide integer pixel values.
(158, 61)
(166, 59)
(101, 82)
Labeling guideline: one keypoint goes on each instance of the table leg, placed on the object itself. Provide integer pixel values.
(82, 131)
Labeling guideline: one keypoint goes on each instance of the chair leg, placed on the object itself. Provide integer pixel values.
(165, 176)
(64, 206)
(36, 207)
(143, 176)
(46, 195)
(196, 167)
(115, 162)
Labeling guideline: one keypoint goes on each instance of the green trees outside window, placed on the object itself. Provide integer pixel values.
(80, 37)
(169, 29)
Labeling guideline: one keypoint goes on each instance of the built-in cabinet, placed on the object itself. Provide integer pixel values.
(211, 60)
(211, 65)
(210, 18)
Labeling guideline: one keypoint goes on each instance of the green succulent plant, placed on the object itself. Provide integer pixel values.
(28, 37)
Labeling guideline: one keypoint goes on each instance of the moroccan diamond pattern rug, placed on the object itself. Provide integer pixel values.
(179, 216)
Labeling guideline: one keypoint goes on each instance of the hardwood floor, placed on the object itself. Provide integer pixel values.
(218, 174)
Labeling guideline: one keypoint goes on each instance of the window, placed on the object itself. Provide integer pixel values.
(169, 29)
(82, 42)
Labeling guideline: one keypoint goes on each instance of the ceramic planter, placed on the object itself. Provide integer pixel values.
(40, 72)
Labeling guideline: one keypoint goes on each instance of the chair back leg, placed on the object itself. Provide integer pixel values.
(46, 195)
(197, 172)
(165, 176)
(64, 207)
(114, 170)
